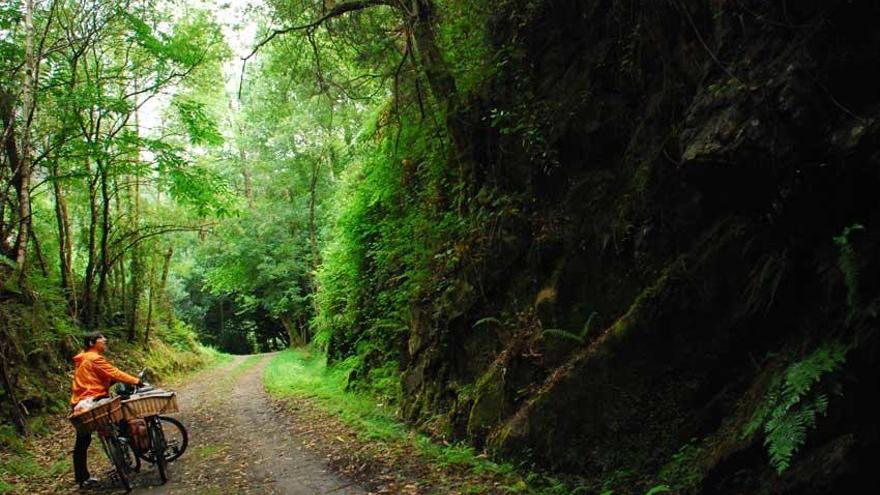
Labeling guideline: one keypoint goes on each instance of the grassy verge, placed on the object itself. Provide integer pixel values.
(442, 468)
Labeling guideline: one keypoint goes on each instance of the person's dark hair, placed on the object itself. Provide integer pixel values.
(90, 338)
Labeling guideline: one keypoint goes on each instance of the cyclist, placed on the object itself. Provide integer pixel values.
(92, 380)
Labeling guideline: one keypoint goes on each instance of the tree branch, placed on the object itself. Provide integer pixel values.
(140, 236)
(336, 11)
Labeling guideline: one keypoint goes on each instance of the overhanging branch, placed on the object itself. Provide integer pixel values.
(145, 233)
(336, 11)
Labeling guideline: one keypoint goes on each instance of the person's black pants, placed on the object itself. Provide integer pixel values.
(80, 450)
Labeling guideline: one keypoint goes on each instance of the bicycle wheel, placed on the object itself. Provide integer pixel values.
(176, 440)
(157, 447)
(115, 452)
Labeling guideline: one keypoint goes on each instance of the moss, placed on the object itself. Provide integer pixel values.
(684, 472)
(649, 300)
(489, 400)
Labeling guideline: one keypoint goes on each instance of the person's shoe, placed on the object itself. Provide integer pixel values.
(89, 483)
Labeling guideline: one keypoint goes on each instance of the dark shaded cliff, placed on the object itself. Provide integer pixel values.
(686, 173)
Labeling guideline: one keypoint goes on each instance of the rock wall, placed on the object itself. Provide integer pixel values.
(682, 169)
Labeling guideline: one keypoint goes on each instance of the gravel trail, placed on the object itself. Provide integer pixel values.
(239, 443)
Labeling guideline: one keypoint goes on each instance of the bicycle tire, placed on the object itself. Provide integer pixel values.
(158, 447)
(113, 449)
(176, 440)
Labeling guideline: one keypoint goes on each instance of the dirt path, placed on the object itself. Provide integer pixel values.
(241, 441)
(238, 442)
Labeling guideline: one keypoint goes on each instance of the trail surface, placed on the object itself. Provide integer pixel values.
(238, 442)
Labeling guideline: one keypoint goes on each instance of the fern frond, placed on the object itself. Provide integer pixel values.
(791, 406)
(488, 319)
(658, 489)
(556, 332)
(588, 325)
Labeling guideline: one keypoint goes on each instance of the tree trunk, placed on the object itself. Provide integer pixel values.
(23, 174)
(39, 253)
(104, 266)
(137, 262)
(313, 229)
(62, 217)
(313, 240)
(88, 305)
(118, 269)
(10, 147)
(443, 87)
(163, 284)
(17, 417)
(245, 169)
(149, 324)
(291, 334)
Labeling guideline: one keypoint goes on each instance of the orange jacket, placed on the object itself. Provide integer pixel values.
(94, 375)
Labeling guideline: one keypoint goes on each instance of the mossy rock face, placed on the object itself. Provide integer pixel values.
(490, 403)
(638, 378)
(700, 158)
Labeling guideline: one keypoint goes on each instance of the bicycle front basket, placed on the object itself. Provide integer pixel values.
(150, 404)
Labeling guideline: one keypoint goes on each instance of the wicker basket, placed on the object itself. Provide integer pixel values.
(105, 414)
(150, 405)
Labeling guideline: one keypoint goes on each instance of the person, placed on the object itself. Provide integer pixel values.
(92, 380)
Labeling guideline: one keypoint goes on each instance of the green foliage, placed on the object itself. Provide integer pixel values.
(575, 337)
(10, 440)
(199, 125)
(849, 265)
(658, 489)
(488, 319)
(21, 466)
(793, 403)
(189, 184)
(386, 240)
(465, 41)
(192, 41)
(661, 488)
(683, 471)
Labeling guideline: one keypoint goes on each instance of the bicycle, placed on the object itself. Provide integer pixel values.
(163, 439)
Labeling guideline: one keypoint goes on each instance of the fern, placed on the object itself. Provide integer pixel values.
(488, 319)
(787, 430)
(556, 332)
(791, 406)
(658, 489)
(7, 261)
(849, 265)
(801, 376)
(564, 334)
(588, 325)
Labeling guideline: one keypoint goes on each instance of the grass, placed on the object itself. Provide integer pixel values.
(301, 373)
(207, 451)
(242, 367)
(22, 468)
